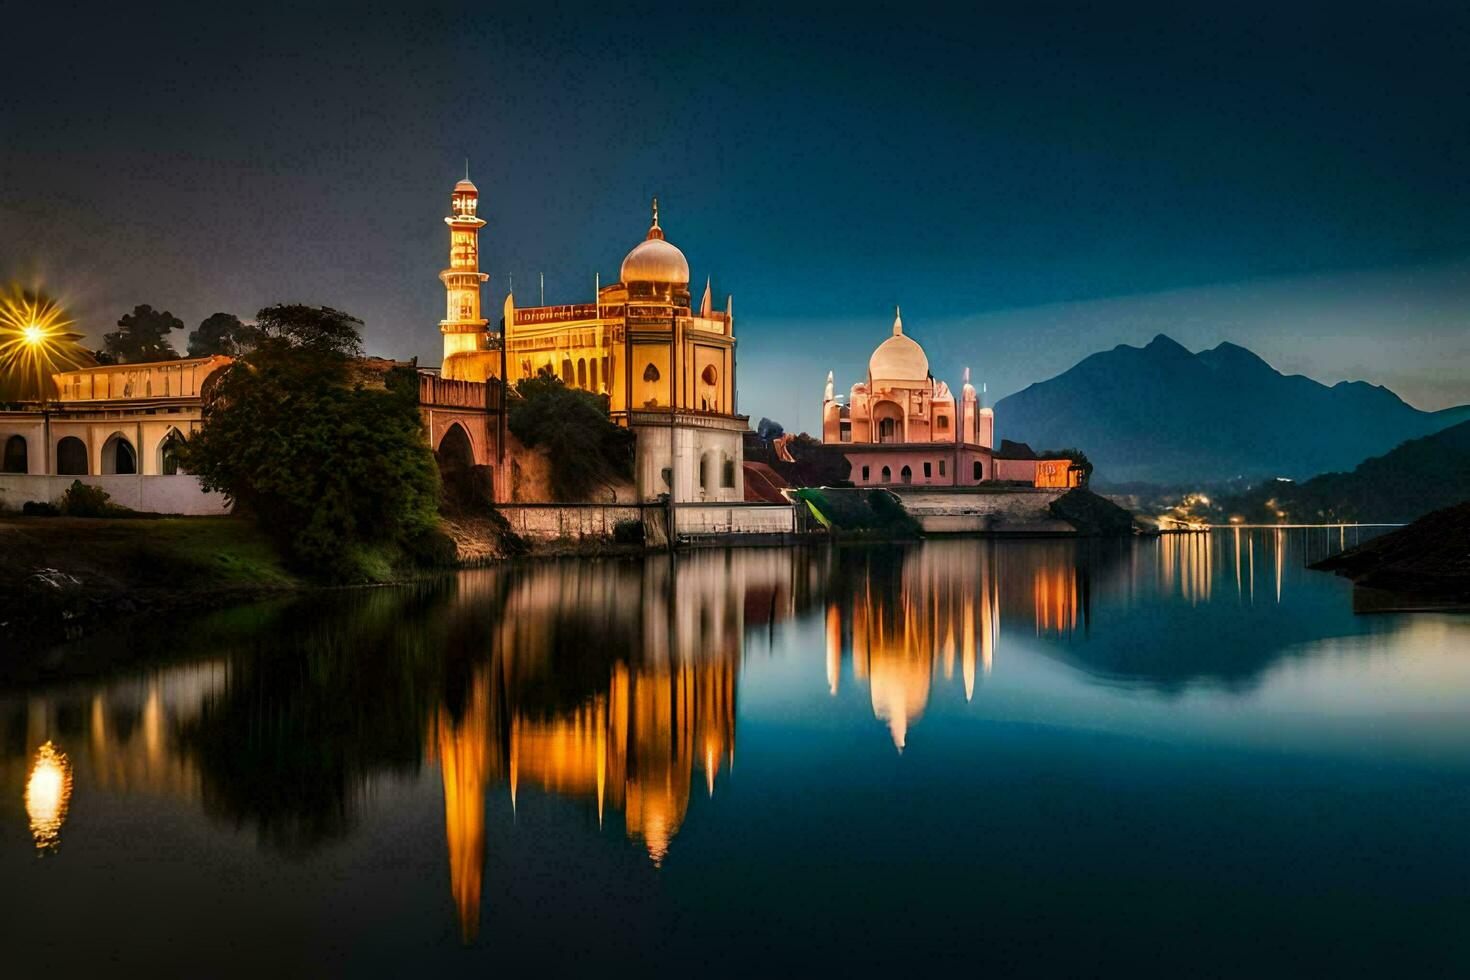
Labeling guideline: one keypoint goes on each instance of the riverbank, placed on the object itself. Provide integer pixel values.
(63, 577)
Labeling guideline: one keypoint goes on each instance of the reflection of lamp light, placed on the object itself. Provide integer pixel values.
(48, 791)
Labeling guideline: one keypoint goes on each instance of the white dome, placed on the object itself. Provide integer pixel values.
(899, 358)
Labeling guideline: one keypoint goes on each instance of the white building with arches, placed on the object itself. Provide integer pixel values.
(112, 426)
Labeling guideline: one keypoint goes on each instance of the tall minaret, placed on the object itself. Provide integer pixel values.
(462, 326)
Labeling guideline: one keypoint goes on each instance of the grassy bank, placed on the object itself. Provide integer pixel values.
(65, 576)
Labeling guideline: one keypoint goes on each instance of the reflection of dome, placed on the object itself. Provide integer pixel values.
(656, 260)
(899, 358)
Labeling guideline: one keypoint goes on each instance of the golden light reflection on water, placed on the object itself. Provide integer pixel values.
(610, 685)
(47, 796)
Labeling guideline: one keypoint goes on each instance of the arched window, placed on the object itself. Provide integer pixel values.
(865, 474)
(650, 373)
(906, 475)
(168, 453)
(118, 456)
(887, 475)
(566, 371)
(16, 460)
(979, 472)
(71, 457)
(887, 430)
(592, 375)
(727, 474)
(582, 372)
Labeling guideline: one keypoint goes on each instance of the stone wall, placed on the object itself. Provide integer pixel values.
(699, 520)
(148, 494)
(579, 523)
(1020, 510)
(595, 523)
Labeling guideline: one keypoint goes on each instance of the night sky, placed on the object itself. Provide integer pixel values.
(1031, 183)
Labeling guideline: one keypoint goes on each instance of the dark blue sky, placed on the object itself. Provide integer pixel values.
(1027, 180)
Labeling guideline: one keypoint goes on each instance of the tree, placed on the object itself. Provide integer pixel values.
(587, 449)
(142, 335)
(769, 429)
(222, 333)
(314, 329)
(334, 467)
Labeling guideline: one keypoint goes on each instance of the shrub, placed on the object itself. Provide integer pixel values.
(431, 548)
(40, 508)
(84, 500)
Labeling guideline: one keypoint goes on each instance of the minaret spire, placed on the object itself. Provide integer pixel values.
(706, 305)
(897, 321)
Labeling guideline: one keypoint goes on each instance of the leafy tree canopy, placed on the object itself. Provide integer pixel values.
(314, 329)
(586, 448)
(331, 467)
(769, 429)
(222, 333)
(142, 335)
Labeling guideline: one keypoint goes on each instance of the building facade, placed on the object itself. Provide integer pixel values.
(902, 427)
(666, 366)
(115, 426)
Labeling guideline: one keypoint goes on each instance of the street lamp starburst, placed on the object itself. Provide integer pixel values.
(35, 342)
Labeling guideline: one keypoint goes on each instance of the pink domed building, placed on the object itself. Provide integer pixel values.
(901, 426)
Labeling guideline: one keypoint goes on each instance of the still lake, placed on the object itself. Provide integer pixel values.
(1180, 755)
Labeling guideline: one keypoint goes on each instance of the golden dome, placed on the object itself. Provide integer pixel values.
(655, 260)
(899, 358)
(465, 185)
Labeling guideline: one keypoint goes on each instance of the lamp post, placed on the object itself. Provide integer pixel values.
(34, 336)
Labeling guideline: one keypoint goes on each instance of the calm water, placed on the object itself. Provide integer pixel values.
(1176, 755)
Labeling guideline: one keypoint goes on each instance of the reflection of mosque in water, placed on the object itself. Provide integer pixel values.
(609, 683)
(904, 616)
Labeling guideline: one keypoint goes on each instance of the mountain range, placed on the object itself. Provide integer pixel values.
(1160, 414)
(1417, 477)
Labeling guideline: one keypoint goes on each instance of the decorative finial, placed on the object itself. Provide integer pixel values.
(654, 231)
(897, 321)
(967, 375)
(466, 168)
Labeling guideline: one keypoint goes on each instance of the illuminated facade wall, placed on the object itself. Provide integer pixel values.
(116, 424)
(662, 363)
(900, 426)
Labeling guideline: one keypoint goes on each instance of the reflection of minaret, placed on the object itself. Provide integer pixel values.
(463, 758)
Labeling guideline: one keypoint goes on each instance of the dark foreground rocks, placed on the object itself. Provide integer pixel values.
(1430, 558)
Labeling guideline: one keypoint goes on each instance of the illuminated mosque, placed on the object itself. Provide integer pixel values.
(667, 368)
(901, 426)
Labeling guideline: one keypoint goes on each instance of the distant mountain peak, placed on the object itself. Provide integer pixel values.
(1162, 414)
(1165, 343)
